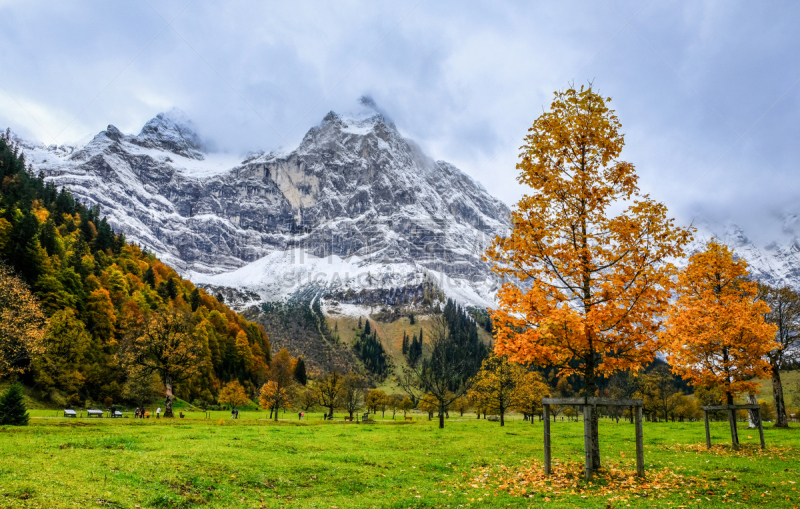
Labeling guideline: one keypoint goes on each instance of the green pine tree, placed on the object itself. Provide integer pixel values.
(300, 372)
(12, 407)
(150, 277)
(194, 299)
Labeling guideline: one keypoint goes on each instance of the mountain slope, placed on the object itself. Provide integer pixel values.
(356, 206)
(98, 291)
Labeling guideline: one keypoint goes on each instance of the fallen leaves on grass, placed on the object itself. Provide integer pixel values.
(617, 481)
(745, 450)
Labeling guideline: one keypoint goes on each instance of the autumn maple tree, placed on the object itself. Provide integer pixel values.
(586, 263)
(716, 333)
(277, 391)
(164, 345)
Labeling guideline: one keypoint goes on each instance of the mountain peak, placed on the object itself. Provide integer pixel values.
(172, 131)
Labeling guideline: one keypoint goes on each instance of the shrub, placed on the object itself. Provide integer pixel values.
(12, 407)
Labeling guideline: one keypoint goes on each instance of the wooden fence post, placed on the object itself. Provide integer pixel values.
(760, 428)
(708, 431)
(639, 443)
(587, 440)
(734, 432)
(547, 466)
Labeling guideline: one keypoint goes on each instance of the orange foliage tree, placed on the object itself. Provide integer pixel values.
(278, 389)
(584, 289)
(716, 333)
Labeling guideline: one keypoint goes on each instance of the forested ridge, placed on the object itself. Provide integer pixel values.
(97, 291)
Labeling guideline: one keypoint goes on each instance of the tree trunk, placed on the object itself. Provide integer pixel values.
(330, 408)
(591, 388)
(752, 416)
(169, 398)
(781, 420)
(732, 423)
(502, 416)
(276, 413)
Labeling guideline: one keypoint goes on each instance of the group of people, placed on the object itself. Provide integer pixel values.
(140, 413)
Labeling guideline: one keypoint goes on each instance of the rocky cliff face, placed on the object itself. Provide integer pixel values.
(356, 205)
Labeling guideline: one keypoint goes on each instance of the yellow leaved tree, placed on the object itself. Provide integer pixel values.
(233, 394)
(164, 345)
(23, 325)
(496, 384)
(586, 263)
(527, 398)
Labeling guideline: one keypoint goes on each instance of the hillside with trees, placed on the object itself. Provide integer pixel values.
(106, 301)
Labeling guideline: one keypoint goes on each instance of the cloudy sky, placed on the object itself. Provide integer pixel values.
(707, 92)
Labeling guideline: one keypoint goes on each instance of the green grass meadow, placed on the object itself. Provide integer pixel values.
(252, 462)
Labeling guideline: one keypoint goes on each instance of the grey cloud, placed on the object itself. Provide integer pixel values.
(707, 91)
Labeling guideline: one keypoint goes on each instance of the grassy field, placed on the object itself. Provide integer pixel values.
(252, 462)
(791, 388)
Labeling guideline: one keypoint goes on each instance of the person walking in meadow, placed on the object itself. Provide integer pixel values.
(158, 413)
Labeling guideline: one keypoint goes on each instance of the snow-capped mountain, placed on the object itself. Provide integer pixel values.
(355, 206)
(776, 263)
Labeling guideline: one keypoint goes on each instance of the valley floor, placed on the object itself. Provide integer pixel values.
(252, 462)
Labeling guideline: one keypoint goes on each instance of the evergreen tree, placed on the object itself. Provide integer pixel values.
(411, 319)
(370, 350)
(172, 288)
(366, 328)
(300, 372)
(359, 323)
(414, 351)
(12, 407)
(105, 237)
(194, 299)
(150, 277)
